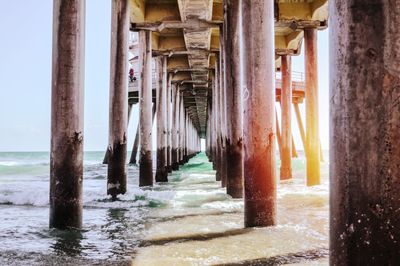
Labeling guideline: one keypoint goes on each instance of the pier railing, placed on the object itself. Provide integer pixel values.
(298, 81)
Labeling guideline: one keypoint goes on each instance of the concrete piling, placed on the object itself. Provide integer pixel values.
(181, 130)
(66, 156)
(175, 129)
(364, 124)
(312, 118)
(222, 108)
(286, 118)
(135, 147)
(118, 121)
(145, 113)
(169, 123)
(218, 137)
(234, 109)
(162, 173)
(259, 113)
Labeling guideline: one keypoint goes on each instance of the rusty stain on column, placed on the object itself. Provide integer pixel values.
(161, 172)
(145, 116)
(118, 122)
(66, 155)
(364, 124)
(286, 118)
(259, 113)
(312, 123)
(234, 109)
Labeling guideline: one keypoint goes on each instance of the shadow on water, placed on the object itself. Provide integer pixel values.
(290, 258)
(67, 242)
(196, 237)
(122, 229)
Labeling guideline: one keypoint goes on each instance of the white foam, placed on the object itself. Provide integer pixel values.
(37, 194)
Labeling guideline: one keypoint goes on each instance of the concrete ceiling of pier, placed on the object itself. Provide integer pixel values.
(188, 32)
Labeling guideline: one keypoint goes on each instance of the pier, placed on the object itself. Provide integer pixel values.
(215, 70)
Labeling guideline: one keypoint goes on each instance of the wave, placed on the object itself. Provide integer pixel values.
(22, 163)
(93, 197)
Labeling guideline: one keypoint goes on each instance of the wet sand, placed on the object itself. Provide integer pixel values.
(204, 226)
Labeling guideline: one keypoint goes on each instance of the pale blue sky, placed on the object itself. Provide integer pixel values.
(25, 76)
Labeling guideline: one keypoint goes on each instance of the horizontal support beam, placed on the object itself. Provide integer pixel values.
(281, 52)
(301, 24)
(189, 81)
(198, 52)
(192, 24)
(176, 70)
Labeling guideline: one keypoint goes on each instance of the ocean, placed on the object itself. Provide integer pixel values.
(145, 224)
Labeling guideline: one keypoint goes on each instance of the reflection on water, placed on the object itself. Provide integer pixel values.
(67, 242)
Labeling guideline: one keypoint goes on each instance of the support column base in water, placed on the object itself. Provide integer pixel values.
(146, 170)
(116, 172)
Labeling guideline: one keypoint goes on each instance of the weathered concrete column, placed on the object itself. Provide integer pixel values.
(136, 141)
(217, 122)
(212, 137)
(312, 123)
(278, 134)
(294, 150)
(234, 108)
(364, 123)
(175, 129)
(222, 106)
(169, 123)
(286, 118)
(105, 159)
(186, 155)
(66, 155)
(301, 127)
(214, 121)
(208, 133)
(135, 145)
(181, 130)
(259, 113)
(145, 117)
(162, 173)
(118, 121)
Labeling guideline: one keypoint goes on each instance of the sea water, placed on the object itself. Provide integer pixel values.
(152, 225)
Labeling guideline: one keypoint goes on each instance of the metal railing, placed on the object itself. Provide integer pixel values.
(298, 80)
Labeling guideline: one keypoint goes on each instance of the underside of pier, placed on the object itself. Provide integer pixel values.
(215, 70)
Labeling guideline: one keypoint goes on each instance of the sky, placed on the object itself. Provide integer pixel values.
(25, 77)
